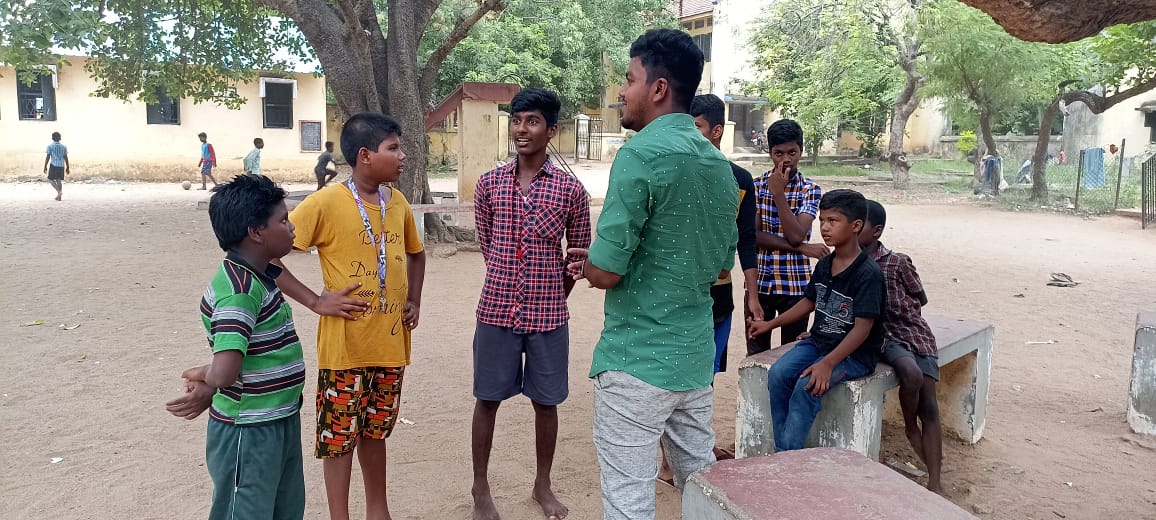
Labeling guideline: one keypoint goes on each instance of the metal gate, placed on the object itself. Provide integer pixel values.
(588, 139)
(1148, 194)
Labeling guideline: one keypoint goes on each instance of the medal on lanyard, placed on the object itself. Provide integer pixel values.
(377, 242)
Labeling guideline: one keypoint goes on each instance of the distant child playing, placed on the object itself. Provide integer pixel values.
(846, 293)
(323, 172)
(253, 385)
(252, 161)
(364, 232)
(208, 160)
(908, 345)
(56, 164)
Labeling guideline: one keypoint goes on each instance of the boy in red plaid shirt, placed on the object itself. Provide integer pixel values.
(908, 345)
(522, 343)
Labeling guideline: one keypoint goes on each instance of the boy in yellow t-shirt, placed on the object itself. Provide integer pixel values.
(365, 235)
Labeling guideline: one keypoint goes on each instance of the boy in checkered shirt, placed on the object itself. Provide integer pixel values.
(908, 344)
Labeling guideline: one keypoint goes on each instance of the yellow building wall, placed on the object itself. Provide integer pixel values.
(478, 128)
(110, 138)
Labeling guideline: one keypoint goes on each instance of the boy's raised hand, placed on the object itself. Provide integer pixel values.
(339, 303)
(778, 180)
(820, 381)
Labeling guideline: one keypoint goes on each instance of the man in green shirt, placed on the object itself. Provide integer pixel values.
(666, 231)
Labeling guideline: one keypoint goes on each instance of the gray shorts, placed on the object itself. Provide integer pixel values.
(55, 173)
(499, 370)
(894, 350)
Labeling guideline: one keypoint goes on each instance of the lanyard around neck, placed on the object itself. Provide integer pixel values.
(377, 242)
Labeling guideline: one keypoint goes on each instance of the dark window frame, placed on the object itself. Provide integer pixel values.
(36, 102)
(278, 103)
(704, 42)
(166, 111)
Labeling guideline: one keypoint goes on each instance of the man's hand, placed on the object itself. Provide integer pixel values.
(412, 312)
(804, 335)
(816, 251)
(820, 381)
(68, 170)
(195, 373)
(757, 328)
(778, 180)
(339, 303)
(754, 307)
(198, 396)
(575, 268)
(46, 169)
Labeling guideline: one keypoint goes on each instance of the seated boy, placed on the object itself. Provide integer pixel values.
(846, 293)
(253, 446)
(908, 344)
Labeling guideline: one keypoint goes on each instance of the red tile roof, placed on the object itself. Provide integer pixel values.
(688, 8)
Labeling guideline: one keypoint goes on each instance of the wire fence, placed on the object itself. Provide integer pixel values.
(1096, 182)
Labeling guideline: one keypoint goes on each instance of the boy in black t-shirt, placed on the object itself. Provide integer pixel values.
(846, 292)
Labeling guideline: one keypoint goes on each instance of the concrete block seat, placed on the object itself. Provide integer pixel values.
(1142, 394)
(812, 483)
(852, 415)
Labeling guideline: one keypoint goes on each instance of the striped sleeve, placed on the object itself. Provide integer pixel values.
(231, 325)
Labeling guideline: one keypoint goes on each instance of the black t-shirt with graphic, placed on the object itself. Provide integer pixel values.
(857, 292)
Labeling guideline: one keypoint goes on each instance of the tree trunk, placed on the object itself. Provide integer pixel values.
(905, 105)
(1040, 155)
(375, 70)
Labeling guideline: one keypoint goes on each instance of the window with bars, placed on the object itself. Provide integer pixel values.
(166, 111)
(278, 105)
(36, 101)
(703, 42)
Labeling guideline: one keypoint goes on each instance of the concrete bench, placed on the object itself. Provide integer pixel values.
(1142, 395)
(811, 483)
(852, 415)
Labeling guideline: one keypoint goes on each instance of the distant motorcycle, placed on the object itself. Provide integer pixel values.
(759, 141)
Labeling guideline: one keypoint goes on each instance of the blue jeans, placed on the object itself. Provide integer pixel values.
(722, 335)
(793, 407)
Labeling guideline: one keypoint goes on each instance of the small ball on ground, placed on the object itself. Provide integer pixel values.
(186, 185)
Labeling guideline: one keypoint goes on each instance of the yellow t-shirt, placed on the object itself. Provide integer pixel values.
(330, 221)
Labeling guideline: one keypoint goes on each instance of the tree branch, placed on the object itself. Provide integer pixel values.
(1097, 103)
(429, 74)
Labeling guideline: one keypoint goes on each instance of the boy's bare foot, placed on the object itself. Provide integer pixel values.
(935, 487)
(915, 439)
(484, 505)
(57, 198)
(551, 506)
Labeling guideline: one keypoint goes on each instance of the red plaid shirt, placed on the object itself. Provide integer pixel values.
(903, 320)
(521, 240)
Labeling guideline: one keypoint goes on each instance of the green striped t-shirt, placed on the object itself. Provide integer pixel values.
(244, 310)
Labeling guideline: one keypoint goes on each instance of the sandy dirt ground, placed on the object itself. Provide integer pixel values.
(116, 270)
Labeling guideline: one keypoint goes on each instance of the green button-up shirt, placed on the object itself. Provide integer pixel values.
(668, 228)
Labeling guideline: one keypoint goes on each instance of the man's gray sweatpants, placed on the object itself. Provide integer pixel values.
(630, 417)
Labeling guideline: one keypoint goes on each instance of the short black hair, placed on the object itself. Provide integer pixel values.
(540, 99)
(55, 136)
(848, 202)
(366, 130)
(257, 141)
(671, 54)
(328, 144)
(202, 134)
(876, 215)
(241, 204)
(784, 131)
(710, 107)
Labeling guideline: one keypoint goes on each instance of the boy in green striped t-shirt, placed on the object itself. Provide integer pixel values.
(253, 386)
